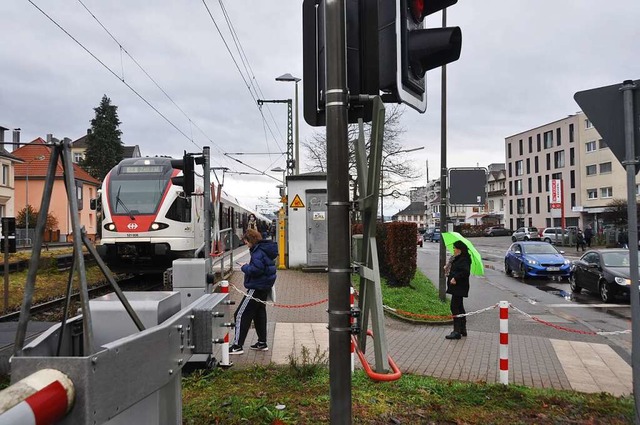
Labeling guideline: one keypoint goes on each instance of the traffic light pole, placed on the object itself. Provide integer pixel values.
(630, 164)
(338, 212)
(442, 283)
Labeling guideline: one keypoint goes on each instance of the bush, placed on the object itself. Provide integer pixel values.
(402, 252)
(381, 237)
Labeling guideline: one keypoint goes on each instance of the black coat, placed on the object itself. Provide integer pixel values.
(460, 270)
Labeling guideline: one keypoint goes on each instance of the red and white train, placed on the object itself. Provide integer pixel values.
(147, 222)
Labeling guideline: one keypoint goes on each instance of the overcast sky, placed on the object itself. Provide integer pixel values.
(521, 63)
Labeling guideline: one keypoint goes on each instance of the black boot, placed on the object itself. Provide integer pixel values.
(456, 330)
(463, 326)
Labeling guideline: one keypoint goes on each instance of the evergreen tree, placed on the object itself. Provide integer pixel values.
(104, 146)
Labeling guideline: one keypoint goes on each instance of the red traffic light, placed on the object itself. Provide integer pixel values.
(417, 10)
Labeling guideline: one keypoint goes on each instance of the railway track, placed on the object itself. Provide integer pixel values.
(52, 310)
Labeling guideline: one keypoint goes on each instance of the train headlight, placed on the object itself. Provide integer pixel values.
(158, 226)
(110, 226)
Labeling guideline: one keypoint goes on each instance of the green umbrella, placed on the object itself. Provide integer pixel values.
(477, 268)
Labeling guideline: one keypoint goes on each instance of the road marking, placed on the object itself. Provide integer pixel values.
(588, 305)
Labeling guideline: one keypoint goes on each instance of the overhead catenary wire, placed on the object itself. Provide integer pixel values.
(246, 79)
(113, 73)
(123, 49)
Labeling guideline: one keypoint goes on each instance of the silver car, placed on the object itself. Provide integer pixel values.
(525, 234)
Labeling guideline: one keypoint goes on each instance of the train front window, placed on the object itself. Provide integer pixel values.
(129, 196)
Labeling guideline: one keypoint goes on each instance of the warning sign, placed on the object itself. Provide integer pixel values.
(297, 202)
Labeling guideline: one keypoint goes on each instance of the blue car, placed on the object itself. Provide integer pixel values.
(536, 259)
(435, 236)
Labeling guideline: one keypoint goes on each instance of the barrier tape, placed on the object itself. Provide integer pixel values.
(311, 304)
(564, 328)
(432, 316)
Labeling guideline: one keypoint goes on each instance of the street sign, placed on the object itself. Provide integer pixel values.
(605, 109)
(467, 186)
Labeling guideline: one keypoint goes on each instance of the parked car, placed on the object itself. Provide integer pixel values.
(536, 259)
(427, 233)
(435, 236)
(419, 239)
(525, 234)
(605, 272)
(497, 231)
(553, 234)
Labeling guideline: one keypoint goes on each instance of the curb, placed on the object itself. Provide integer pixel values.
(417, 322)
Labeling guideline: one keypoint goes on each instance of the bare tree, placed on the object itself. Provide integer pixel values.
(396, 169)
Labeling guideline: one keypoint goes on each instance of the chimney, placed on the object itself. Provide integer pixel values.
(16, 138)
(2, 130)
(88, 131)
(49, 138)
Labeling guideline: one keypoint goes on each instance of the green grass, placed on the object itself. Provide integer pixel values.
(239, 396)
(418, 301)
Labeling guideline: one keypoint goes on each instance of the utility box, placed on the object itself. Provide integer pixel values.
(189, 279)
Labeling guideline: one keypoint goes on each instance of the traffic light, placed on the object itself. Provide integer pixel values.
(362, 58)
(187, 179)
(408, 50)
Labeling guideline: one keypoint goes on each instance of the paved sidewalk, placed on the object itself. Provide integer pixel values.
(422, 349)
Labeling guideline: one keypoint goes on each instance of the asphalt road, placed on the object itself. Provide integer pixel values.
(546, 299)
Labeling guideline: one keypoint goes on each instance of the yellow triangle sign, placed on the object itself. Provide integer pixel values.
(297, 202)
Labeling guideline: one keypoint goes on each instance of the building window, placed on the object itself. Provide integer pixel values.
(572, 177)
(518, 187)
(535, 165)
(528, 205)
(591, 170)
(530, 144)
(530, 184)
(79, 194)
(509, 169)
(572, 157)
(558, 159)
(556, 176)
(573, 200)
(77, 157)
(519, 171)
(606, 192)
(605, 167)
(571, 139)
(587, 123)
(548, 139)
(528, 165)
(520, 147)
(546, 183)
(501, 204)
(520, 206)
(548, 161)
(510, 189)
(591, 146)
(537, 205)
(602, 144)
(539, 184)
(592, 193)
(538, 141)
(558, 137)
(509, 150)
(510, 206)
(638, 190)
(5, 175)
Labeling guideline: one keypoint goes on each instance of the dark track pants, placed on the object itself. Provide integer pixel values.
(249, 311)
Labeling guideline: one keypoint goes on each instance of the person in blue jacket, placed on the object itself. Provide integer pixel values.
(259, 278)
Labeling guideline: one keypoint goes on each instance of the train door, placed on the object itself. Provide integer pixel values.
(317, 242)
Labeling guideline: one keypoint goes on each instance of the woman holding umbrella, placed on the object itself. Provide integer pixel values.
(458, 287)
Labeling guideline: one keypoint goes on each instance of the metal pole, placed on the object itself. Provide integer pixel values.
(26, 209)
(297, 168)
(382, 189)
(338, 212)
(207, 209)
(442, 287)
(630, 163)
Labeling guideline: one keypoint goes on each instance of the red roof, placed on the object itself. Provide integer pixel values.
(37, 155)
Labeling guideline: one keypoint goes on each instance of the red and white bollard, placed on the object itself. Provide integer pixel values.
(225, 362)
(44, 397)
(504, 342)
(352, 321)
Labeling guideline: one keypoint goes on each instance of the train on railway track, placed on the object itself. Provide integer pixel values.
(147, 221)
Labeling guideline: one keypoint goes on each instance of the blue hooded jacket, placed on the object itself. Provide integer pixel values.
(260, 272)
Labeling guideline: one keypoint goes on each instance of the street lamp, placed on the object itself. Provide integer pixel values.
(26, 210)
(382, 175)
(290, 78)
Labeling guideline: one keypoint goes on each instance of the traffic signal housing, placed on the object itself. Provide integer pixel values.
(408, 50)
(187, 179)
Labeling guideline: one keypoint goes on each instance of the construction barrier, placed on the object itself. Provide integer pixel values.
(42, 398)
(225, 361)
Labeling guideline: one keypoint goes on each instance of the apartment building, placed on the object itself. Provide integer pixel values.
(571, 150)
